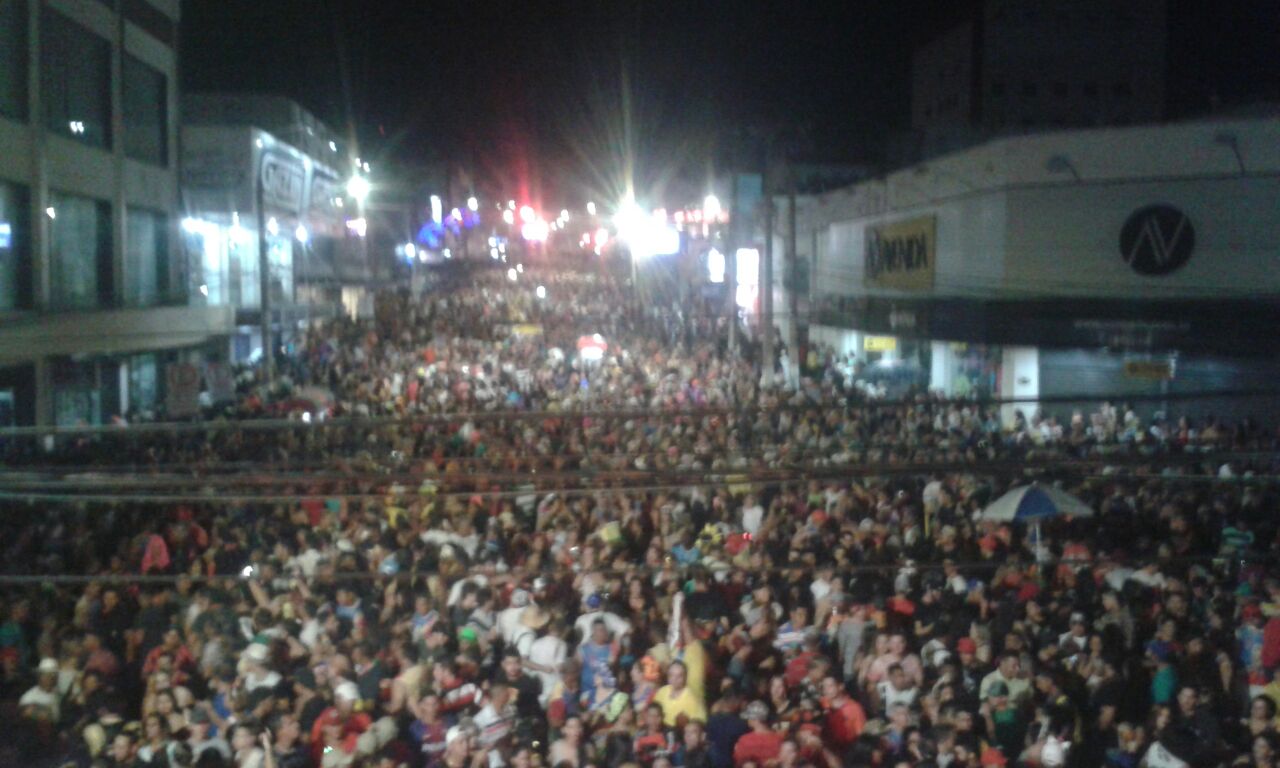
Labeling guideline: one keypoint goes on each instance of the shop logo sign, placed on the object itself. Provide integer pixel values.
(1157, 240)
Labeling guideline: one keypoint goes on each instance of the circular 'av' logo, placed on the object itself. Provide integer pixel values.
(1157, 240)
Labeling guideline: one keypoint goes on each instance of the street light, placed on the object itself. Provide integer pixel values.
(711, 207)
(358, 188)
(473, 204)
(591, 209)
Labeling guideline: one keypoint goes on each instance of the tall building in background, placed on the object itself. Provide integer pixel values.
(252, 162)
(93, 302)
(1020, 66)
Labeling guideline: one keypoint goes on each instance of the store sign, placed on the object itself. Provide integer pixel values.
(880, 343)
(182, 390)
(1149, 370)
(1157, 240)
(283, 180)
(901, 256)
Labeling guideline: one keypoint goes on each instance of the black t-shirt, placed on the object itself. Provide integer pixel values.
(528, 689)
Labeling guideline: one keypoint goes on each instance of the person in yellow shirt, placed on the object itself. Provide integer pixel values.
(678, 700)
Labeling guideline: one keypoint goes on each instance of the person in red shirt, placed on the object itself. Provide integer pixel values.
(339, 726)
(761, 744)
(811, 748)
(173, 647)
(845, 717)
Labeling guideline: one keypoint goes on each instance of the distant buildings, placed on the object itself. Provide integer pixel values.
(238, 149)
(1020, 66)
(1139, 260)
(93, 289)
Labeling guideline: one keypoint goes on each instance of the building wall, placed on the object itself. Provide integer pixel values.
(99, 123)
(1043, 215)
(942, 78)
(1064, 63)
(1071, 371)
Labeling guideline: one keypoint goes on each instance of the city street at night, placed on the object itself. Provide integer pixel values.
(429, 385)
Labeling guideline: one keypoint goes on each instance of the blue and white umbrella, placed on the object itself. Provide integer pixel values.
(1033, 503)
(1030, 503)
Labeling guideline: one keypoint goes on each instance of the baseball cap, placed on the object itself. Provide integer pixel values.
(348, 691)
(594, 602)
(998, 688)
(966, 645)
(47, 666)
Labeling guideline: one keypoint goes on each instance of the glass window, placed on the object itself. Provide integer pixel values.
(79, 252)
(144, 388)
(13, 59)
(15, 253)
(75, 80)
(243, 277)
(146, 258)
(77, 396)
(280, 261)
(146, 109)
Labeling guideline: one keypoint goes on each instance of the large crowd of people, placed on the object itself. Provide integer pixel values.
(532, 527)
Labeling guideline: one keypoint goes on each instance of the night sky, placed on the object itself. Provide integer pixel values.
(529, 93)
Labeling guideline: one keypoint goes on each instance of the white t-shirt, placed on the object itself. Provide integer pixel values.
(891, 697)
(548, 651)
(39, 697)
(752, 519)
(494, 727)
(509, 623)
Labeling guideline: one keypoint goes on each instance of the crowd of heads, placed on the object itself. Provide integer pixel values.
(493, 551)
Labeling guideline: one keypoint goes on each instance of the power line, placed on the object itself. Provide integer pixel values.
(780, 471)
(177, 427)
(679, 571)
(729, 481)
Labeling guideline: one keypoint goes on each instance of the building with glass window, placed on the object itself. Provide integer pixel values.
(1139, 261)
(93, 303)
(254, 162)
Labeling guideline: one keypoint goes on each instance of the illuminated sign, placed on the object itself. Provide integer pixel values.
(1149, 370)
(283, 180)
(6, 235)
(880, 343)
(901, 256)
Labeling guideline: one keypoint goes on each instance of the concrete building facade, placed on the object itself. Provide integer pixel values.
(93, 304)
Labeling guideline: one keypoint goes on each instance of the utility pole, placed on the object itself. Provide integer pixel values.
(793, 290)
(264, 275)
(731, 262)
(766, 283)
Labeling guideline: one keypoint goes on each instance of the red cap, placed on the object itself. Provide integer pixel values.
(993, 756)
(966, 645)
(1251, 611)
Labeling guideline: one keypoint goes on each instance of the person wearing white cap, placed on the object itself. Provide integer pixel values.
(41, 702)
(340, 725)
